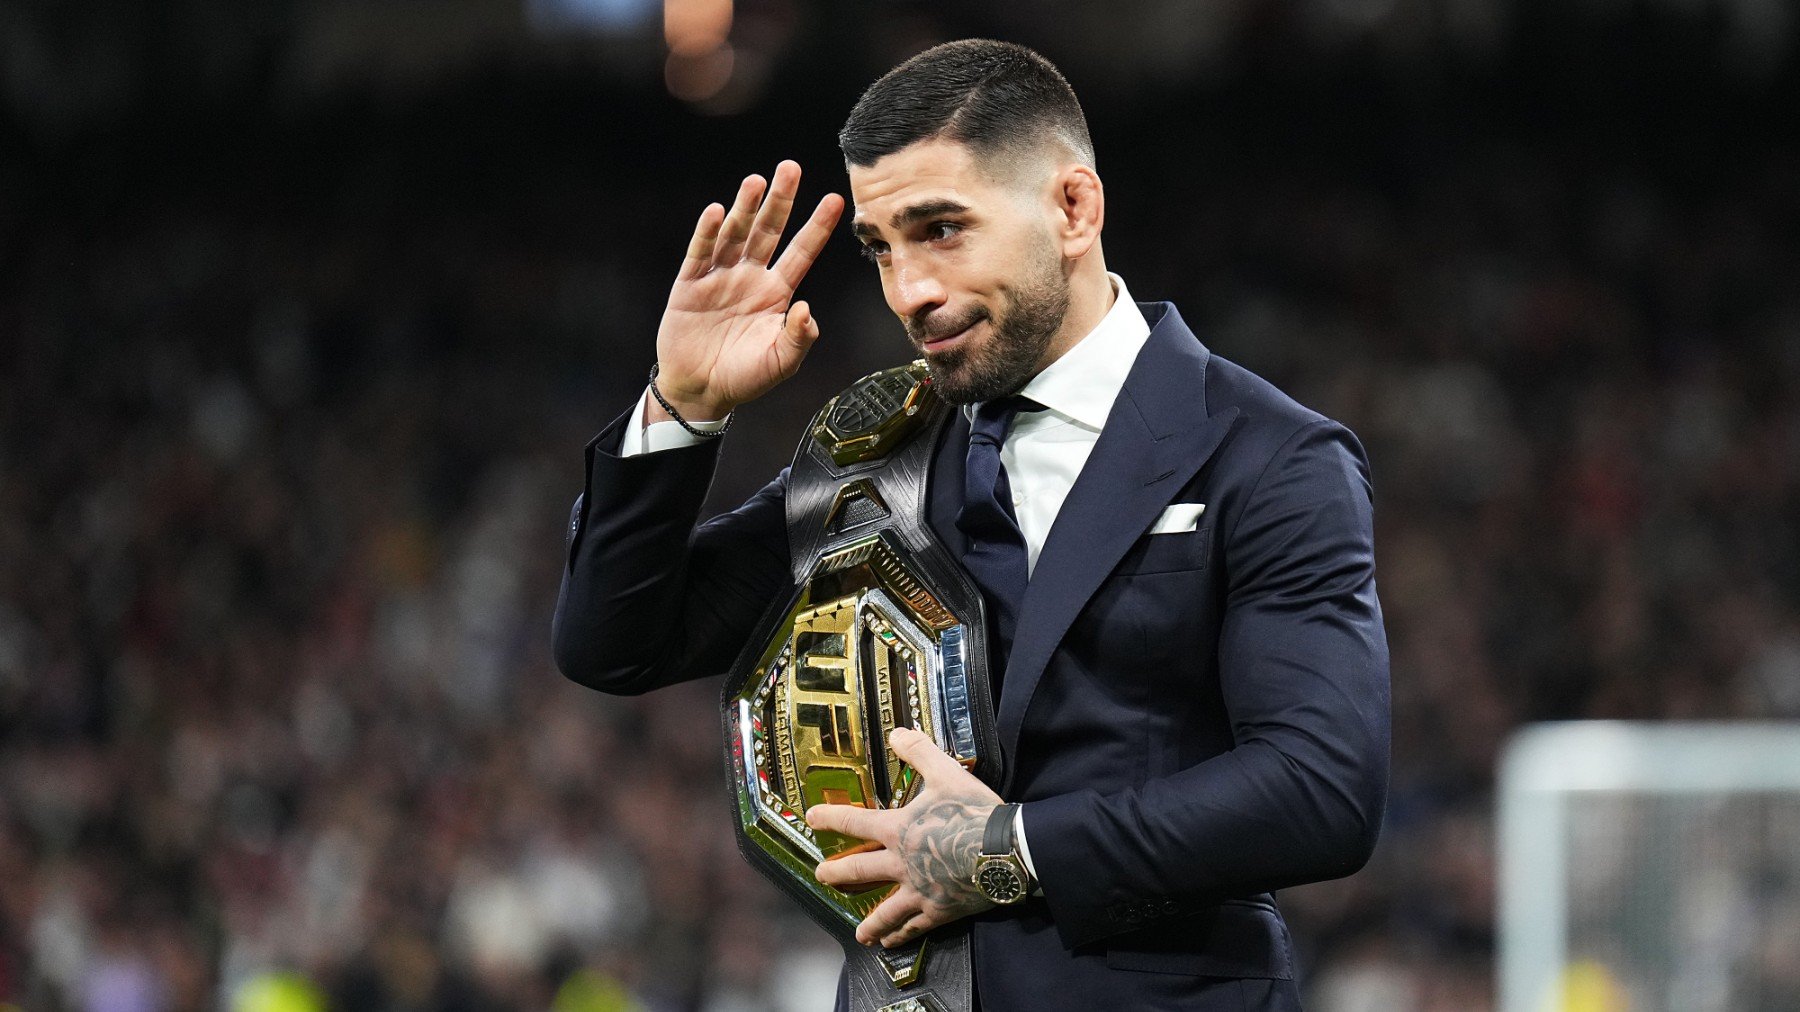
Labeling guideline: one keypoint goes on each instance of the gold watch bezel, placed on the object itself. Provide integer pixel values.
(1012, 863)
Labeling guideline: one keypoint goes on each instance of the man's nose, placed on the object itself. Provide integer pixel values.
(912, 290)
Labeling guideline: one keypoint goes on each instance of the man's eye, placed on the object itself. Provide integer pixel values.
(873, 251)
(942, 230)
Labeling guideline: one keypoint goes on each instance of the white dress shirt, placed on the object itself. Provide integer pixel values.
(1044, 451)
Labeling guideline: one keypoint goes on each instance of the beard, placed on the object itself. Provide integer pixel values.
(1031, 313)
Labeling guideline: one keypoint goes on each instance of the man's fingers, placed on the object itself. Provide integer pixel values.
(923, 754)
(700, 247)
(889, 915)
(851, 820)
(766, 233)
(861, 869)
(912, 929)
(737, 224)
(806, 244)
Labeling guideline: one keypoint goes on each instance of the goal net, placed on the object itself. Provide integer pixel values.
(1646, 867)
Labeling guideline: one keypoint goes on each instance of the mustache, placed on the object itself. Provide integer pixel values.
(937, 324)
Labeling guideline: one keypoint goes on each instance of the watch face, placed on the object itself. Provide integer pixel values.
(999, 881)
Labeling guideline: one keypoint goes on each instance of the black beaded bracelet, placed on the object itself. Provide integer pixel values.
(670, 408)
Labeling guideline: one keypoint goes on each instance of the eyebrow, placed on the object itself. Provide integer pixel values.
(907, 215)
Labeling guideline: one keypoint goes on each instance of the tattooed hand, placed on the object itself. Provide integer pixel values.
(930, 846)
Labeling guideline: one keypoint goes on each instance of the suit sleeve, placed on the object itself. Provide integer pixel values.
(1303, 668)
(649, 598)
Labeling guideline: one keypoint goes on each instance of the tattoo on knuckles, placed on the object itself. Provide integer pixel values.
(938, 848)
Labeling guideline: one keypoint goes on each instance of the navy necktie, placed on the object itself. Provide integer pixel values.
(995, 550)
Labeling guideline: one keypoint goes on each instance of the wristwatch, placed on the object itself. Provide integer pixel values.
(1000, 873)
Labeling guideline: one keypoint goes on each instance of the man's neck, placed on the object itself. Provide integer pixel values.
(1091, 297)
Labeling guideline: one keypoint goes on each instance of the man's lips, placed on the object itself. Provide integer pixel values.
(943, 342)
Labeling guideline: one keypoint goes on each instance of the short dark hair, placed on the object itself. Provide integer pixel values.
(992, 96)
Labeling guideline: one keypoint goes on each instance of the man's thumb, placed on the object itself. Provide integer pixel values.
(921, 753)
(800, 327)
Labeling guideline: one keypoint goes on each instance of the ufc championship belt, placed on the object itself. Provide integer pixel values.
(883, 630)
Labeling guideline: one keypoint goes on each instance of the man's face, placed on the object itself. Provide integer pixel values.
(968, 262)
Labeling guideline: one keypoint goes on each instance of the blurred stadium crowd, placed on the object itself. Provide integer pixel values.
(292, 412)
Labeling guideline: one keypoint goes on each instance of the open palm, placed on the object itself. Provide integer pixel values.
(732, 329)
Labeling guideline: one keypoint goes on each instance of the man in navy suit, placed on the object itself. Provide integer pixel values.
(1193, 685)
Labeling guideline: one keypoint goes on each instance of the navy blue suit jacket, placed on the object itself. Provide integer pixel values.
(1192, 720)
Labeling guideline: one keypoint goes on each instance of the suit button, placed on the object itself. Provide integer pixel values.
(1171, 907)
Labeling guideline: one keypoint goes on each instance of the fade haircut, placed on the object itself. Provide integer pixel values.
(994, 97)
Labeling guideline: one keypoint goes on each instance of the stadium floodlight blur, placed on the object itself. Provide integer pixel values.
(697, 34)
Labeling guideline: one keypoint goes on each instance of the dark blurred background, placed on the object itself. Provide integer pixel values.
(307, 308)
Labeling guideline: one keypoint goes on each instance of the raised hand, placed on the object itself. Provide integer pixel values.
(931, 846)
(732, 331)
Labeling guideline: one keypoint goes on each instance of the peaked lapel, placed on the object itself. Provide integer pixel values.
(1156, 437)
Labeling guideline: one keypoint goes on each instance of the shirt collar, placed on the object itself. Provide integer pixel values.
(1084, 382)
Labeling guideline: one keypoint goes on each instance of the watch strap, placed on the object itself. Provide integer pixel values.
(997, 839)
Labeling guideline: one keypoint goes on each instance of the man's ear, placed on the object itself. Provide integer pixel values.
(1079, 209)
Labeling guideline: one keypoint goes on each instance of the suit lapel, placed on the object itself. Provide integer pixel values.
(945, 487)
(1156, 437)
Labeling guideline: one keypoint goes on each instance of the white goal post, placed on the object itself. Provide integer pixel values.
(1650, 866)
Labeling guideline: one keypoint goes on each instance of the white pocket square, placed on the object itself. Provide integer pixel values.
(1183, 516)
